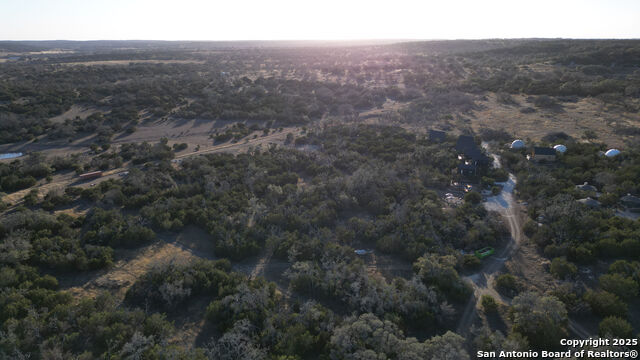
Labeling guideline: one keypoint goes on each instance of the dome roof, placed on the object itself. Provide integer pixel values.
(560, 148)
(612, 152)
(517, 144)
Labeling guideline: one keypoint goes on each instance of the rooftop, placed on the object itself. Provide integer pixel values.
(586, 187)
(544, 151)
(465, 142)
(437, 135)
(630, 199)
(590, 202)
(477, 155)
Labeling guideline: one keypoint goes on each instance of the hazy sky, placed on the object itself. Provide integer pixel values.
(318, 19)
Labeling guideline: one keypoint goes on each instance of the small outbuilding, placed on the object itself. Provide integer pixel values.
(437, 136)
(517, 144)
(560, 148)
(592, 203)
(612, 153)
(586, 187)
(543, 154)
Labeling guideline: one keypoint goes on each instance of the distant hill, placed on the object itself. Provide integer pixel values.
(108, 45)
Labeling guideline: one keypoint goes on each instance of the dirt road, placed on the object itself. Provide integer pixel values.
(70, 178)
(482, 281)
(250, 142)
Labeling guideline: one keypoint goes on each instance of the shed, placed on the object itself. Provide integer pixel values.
(437, 136)
(593, 203)
(543, 154)
(586, 187)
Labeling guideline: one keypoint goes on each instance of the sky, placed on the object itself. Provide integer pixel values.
(316, 20)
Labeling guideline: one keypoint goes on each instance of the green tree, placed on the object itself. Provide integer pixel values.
(604, 303)
(615, 327)
(473, 197)
(625, 287)
(542, 319)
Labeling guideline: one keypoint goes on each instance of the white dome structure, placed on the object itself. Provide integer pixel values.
(517, 144)
(612, 153)
(560, 148)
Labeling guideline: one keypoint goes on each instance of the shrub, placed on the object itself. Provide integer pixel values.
(500, 174)
(545, 101)
(554, 251)
(31, 198)
(581, 254)
(507, 284)
(180, 147)
(505, 98)
(530, 228)
(625, 267)
(489, 304)
(561, 268)
(487, 181)
(609, 247)
(631, 247)
(471, 262)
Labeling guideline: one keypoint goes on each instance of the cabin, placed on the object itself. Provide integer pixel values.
(543, 154)
(437, 136)
(477, 157)
(472, 157)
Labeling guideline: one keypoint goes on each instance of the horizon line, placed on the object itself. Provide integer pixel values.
(329, 40)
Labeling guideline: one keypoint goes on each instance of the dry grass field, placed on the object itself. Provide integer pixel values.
(573, 119)
(127, 62)
(76, 111)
